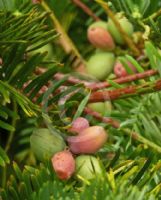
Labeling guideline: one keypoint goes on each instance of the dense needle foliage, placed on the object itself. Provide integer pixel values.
(131, 159)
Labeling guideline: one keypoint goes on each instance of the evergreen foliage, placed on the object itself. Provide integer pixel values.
(134, 171)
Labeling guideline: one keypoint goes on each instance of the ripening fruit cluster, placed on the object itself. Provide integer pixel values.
(105, 37)
(72, 156)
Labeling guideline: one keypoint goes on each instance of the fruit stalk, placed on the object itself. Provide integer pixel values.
(86, 9)
(98, 116)
(126, 92)
(126, 38)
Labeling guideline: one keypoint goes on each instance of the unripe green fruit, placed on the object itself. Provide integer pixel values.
(159, 51)
(99, 51)
(100, 65)
(101, 24)
(47, 48)
(125, 24)
(87, 167)
(45, 144)
(101, 107)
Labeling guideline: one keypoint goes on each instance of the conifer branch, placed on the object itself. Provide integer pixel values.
(99, 96)
(126, 92)
(100, 85)
(98, 116)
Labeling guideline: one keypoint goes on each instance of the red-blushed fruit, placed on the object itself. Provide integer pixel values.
(89, 141)
(102, 24)
(100, 38)
(64, 164)
(120, 70)
(79, 125)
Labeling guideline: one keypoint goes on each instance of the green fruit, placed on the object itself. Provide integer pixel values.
(159, 51)
(45, 144)
(100, 65)
(99, 51)
(87, 167)
(125, 24)
(47, 48)
(101, 107)
(101, 24)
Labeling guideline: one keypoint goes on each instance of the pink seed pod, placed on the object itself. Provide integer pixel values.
(63, 164)
(89, 141)
(120, 70)
(100, 38)
(78, 125)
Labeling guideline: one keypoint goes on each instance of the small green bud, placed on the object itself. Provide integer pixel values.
(100, 65)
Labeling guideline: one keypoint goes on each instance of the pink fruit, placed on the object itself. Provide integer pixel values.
(63, 164)
(100, 38)
(89, 141)
(79, 125)
(120, 70)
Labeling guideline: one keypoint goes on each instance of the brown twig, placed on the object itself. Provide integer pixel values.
(129, 91)
(125, 36)
(86, 9)
(99, 96)
(100, 85)
(126, 79)
(98, 116)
